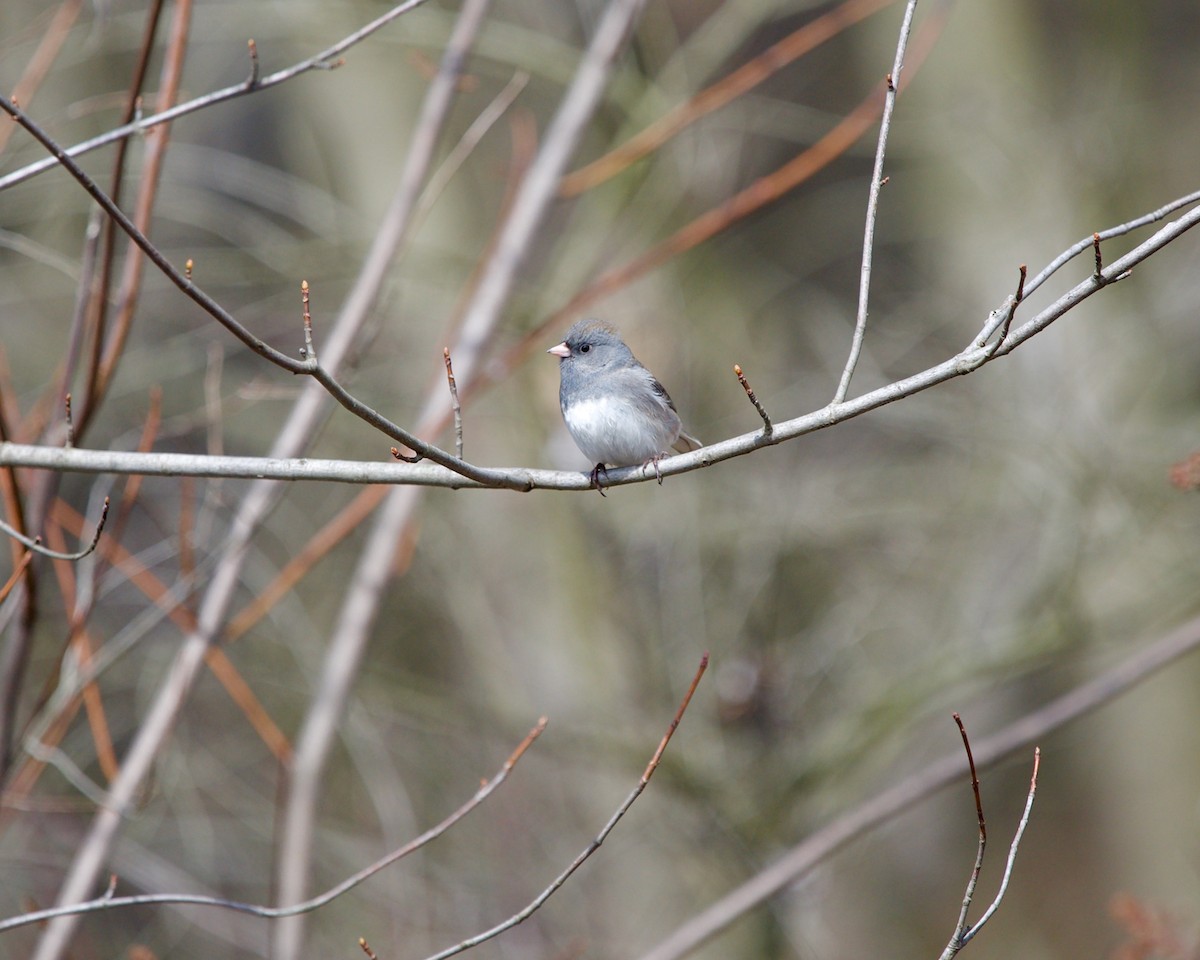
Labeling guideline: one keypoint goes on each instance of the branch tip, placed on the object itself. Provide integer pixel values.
(308, 351)
(458, 429)
(415, 458)
(768, 428)
(70, 441)
(252, 47)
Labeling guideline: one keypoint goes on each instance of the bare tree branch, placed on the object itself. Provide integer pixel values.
(982, 350)
(961, 935)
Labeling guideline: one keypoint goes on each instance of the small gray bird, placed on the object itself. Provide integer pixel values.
(617, 413)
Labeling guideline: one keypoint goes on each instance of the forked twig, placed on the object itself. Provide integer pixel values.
(1012, 850)
(962, 934)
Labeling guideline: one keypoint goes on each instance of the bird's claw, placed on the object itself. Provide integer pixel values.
(594, 477)
(653, 461)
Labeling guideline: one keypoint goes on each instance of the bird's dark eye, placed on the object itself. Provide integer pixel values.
(585, 348)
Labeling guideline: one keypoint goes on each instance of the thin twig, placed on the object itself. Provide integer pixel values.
(69, 441)
(963, 936)
(35, 544)
(1119, 231)
(109, 902)
(767, 427)
(1012, 850)
(1001, 320)
(458, 429)
(253, 81)
(956, 939)
(530, 908)
(320, 61)
(308, 351)
(877, 181)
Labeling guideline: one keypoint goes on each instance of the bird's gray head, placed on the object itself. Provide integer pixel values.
(591, 345)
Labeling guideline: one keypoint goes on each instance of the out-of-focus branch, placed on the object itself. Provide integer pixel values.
(39, 64)
(858, 821)
(109, 902)
(253, 83)
(741, 81)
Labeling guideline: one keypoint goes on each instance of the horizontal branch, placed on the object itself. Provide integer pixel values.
(979, 353)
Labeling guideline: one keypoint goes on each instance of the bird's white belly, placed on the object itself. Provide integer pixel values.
(615, 433)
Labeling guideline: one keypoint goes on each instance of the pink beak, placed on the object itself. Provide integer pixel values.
(562, 350)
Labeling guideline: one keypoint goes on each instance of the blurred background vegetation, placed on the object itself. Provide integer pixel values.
(981, 547)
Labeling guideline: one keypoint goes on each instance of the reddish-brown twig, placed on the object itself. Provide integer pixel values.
(39, 64)
(724, 91)
(458, 429)
(767, 428)
(15, 577)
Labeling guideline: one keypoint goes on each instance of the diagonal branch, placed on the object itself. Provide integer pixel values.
(320, 61)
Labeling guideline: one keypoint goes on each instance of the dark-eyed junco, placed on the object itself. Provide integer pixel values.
(618, 414)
